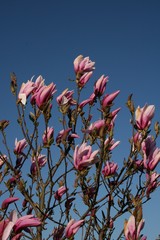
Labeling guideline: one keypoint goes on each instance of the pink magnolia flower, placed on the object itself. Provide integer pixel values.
(110, 124)
(8, 201)
(44, 94)
(132, 229)
(84, 103)
(25, 91)
(137, 137)
(20, 146)
(72, 227)
(26, 221)
(59, 193)
(97, 126)
(39, 83)
(84, 79)
(64, 135)
(108, 99)
(110, 169)
(84, 157)
(72, 136)
(115, 112)
(152, 182)
(151, 154)
(143, 116)
(16, 225)
(111, 144)
(89, 101)
(66, 98)
(92, 98)
(40, 160)
(48, 136)
(100, 85)
(82, 65)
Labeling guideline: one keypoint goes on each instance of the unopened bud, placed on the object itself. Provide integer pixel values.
(13, 84)
(3, 124)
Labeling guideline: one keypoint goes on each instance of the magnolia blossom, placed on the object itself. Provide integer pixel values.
(84, 157)
(40, 160)
(143, 116)
(16, 225)
(20, 146)
(72, 227)
(111, 144)
(39, 83)
(84, 103)
(100, 85)
(96, 127)
(108, 99)
(66, 98)
(43, 95)
(152, 182)
(132, 229)
(89, 101)
(84, 79)
(59, 193)
(8, 201)
(48, 136)
(114, 113)
(64, 135)
(25, 91)
(82, 64)
(111, 122)
(137, 139)
(151, 154)
(110, 169)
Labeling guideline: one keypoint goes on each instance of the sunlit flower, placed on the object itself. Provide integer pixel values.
(132, 229)
(72, 227)
(143, 116)
(20, 146)
(84, 157)
(100, 85)
(25, 91)
(109, 169)
(59, 193)
(82, 64)
(48, 136)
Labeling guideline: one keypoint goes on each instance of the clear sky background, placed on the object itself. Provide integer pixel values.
(121, 36)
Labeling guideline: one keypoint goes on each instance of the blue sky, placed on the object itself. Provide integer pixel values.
(121, 36)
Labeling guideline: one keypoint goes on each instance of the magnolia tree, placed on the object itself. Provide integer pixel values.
(64, 184)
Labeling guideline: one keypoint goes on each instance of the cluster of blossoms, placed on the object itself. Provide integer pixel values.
(91, 156)
(14, 225)
(147, 145)
(84, 69)
(41, 94)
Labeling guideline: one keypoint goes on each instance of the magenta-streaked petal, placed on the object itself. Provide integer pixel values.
(7, 231)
